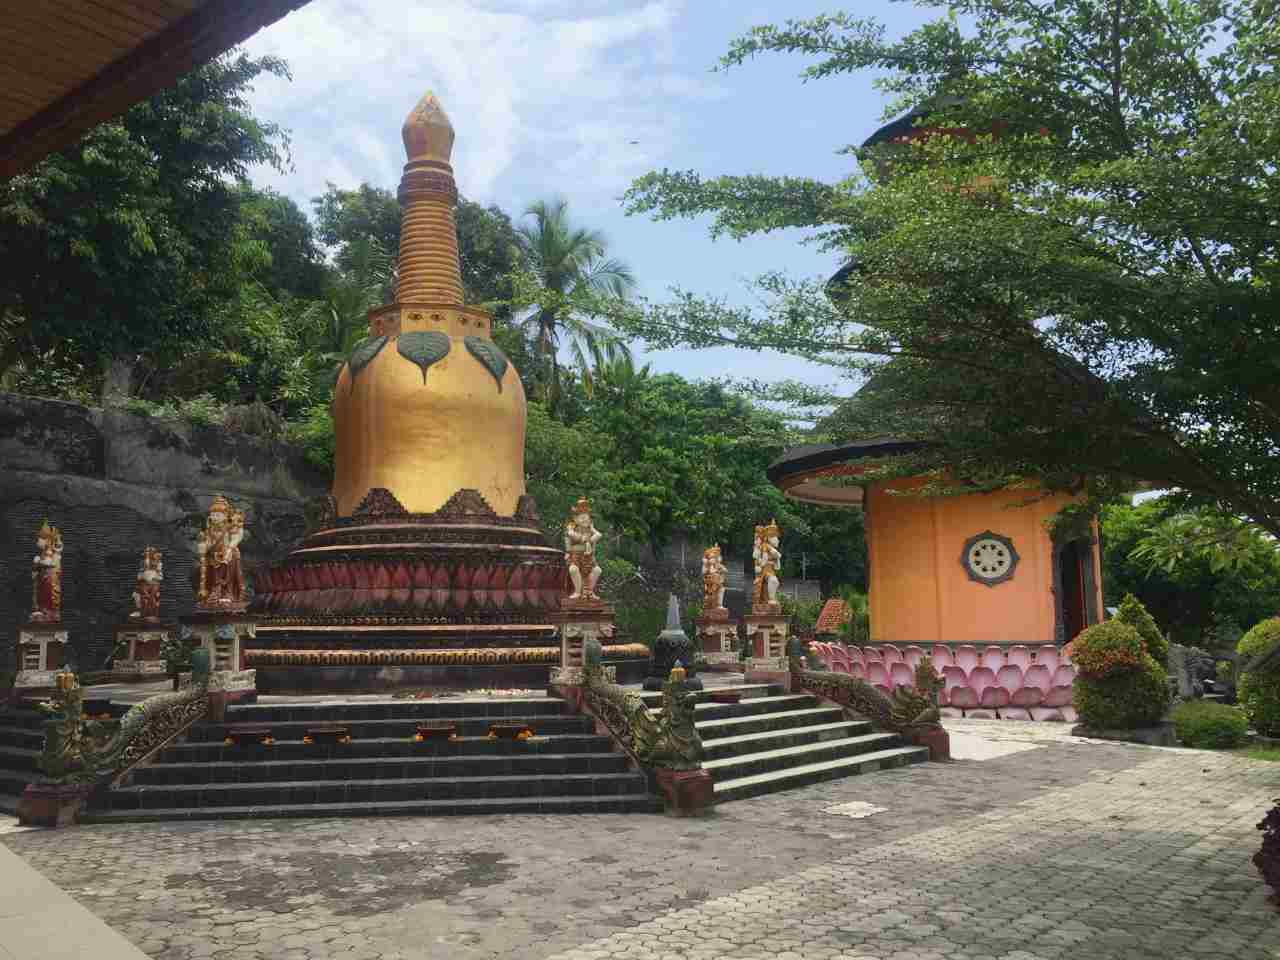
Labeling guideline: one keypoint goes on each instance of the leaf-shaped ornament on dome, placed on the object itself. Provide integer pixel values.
(423, 347)
(488, 354)
(365, 351)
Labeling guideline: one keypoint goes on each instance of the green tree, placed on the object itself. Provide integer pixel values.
(1193, 600)
(127, 242)
(568, 280)
(344, 216)
(689, 457)
(294, 261)
(1085, 285)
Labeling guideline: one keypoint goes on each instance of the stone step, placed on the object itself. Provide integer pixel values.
(213, 751)
(443, 708)
(23, 737)
(754, 706)
(800, 755)
(637, 802)
(384, 729)
(750, 786)
(19, 759)
(749, 691)
(777, 739)
(404, 790)
(13, 782)
(783, 720)
(22, 719)
(270, 771)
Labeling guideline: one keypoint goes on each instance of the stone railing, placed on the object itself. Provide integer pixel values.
(81, 755)
(911, 711)
(77, 750)
(667, 740)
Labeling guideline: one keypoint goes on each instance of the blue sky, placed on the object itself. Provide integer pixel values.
(545, 97)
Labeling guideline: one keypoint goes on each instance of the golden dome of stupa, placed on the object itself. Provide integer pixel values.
(428, 405)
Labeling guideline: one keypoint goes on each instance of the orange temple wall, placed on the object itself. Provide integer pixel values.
(920, 593)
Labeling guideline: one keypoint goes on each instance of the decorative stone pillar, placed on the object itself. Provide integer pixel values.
(143, 642)
(223, 634)
(718, 640)
(767, 642)
(578, 622)
(41, 654)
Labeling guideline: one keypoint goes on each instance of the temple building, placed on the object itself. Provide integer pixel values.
(427, 564)
(976, 568)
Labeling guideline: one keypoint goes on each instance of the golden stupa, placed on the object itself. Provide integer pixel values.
(428, 564)
(429, 381)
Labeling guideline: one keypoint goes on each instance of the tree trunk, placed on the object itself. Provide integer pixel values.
(117, 380)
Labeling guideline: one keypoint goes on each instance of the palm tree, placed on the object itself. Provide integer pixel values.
(612, 373)
(570, 268)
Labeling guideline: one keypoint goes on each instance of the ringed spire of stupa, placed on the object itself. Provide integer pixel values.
(429, 268)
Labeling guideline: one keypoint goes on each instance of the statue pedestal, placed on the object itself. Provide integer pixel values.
(718, 640)
(52, 804)
(223, 634)
(687, 793)
(767, 641)
(578, 621)
(41, 654)
(143, 641)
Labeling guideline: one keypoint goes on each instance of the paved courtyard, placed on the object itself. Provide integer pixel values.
(1047, 847)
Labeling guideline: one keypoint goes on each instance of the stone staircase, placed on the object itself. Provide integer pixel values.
(565, 767)
(21, 737)
(772, 741)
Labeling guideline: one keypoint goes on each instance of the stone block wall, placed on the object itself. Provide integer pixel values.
(114, 482)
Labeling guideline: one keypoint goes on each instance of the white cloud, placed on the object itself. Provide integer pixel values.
(546, 91)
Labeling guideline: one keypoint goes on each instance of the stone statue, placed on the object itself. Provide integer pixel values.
(46, 576)
(713, 571)
(580, 539)
(218, 552)
(146, 594)
(672, 649)
(768, 560)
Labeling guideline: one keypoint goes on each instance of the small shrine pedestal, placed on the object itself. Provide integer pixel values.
(142, 641)
(224, 633)
(767, 631)
(578, 621)
(41, 654)
(718, 641)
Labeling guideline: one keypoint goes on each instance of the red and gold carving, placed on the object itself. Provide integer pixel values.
(46, 576)
(218, 552)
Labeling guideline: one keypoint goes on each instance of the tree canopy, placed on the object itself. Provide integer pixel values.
(128, 241)
(1195, 600)
(1075, 276)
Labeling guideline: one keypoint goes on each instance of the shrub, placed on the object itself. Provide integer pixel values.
(1210, 726)
(857, 629)
(1259, 691)
(1267, 860)
(803, 614)
(1123, 700)
(1106, 648)
(313, 431)
(1118, 684)
(1133, 613)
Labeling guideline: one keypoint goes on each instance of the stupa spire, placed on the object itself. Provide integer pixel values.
(429, 268)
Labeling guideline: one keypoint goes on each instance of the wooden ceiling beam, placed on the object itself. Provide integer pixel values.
(196, 38)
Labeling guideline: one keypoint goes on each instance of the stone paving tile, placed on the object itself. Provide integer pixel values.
(1070, 850)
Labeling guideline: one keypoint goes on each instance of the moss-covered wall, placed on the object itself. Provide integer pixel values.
(115, 482)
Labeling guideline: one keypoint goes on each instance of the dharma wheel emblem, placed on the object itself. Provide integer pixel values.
(989, 558)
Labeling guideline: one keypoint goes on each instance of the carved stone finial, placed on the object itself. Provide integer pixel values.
(673, 613)
(427, 132)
